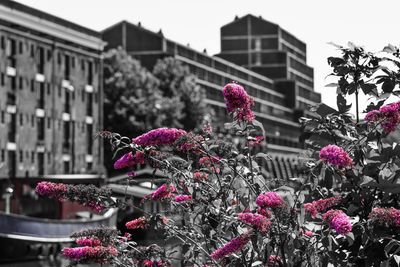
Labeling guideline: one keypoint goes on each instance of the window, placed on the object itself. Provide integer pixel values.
(33, 120)
(21, 47)
(48, 157)
(48, 123)
(82, 64)
(3, 43)
(59, 58)
(21, 83)
(32, 51)
(48, 55)
(73, 62)
(40, 128)
(2, 117)
(67, 70)
(33, 157)
(3, 155)
(59, 91)
(21, 156)
(3, 79)
(257, 44)
(32, 85)
(90, 73)
(41, 96)
(41, 60)
(21, 119)
(48, 89)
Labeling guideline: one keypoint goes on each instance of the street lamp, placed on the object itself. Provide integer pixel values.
(7, 195)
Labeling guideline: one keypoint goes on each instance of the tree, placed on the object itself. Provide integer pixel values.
(177, 81)
(133, 101)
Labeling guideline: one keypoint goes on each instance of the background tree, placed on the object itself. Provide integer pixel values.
(137, 101)
(178, 83)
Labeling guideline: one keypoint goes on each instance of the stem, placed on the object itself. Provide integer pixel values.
(357, 116)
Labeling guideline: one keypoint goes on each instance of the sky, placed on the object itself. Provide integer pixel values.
(372, 24)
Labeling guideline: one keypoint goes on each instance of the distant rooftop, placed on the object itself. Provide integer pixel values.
(46, 16)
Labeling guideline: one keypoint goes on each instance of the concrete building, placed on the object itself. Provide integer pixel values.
(50, 94)
(271, 51)
(280, 96)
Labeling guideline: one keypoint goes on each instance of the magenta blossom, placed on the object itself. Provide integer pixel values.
(385, 217)
(258, 221)
(154, 263)
(274, 261)
(88, 241)
(97, 254)
(335, 156)
(52, 190)
(160, 136)
(270, 200)
(139, 223)
(183, 198)
(238, 101)
(388, 116)
(232, 246)
(321, 205)
(163, 192)
(338, 220)
(129, 160)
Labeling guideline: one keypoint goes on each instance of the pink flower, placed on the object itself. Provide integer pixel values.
(385, 216)
(190, 143)
(256, 141)
(274, 261)
(88, 241)
(98, 254)
(183, 198)
(232, 246)
(129, 160)
(154, 263)
(258, 221)
(270, 200)
(388, 116)
(210, 162)
(264, 212)
(160, 136)
(163, 192)
(308, 233)
(238, 101)
(321, 205)
(200, 176)
(338, 220)
(139, 223)
(335, 156)
(52, 190)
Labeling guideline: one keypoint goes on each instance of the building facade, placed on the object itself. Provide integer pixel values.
(271, 51)
(50, 94)
(279, 99)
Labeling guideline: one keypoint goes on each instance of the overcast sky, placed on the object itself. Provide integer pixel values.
(372, 24)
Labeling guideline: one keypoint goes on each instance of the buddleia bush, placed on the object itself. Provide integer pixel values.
(222, 210)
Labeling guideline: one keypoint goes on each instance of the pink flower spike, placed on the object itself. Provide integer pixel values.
(270, 200)
(335, 156)
(139, 223)
(388, 217)
(160, 136)
(238, 101)
(338, 220)
(321, 205)
(183, 198)
(232, 246)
